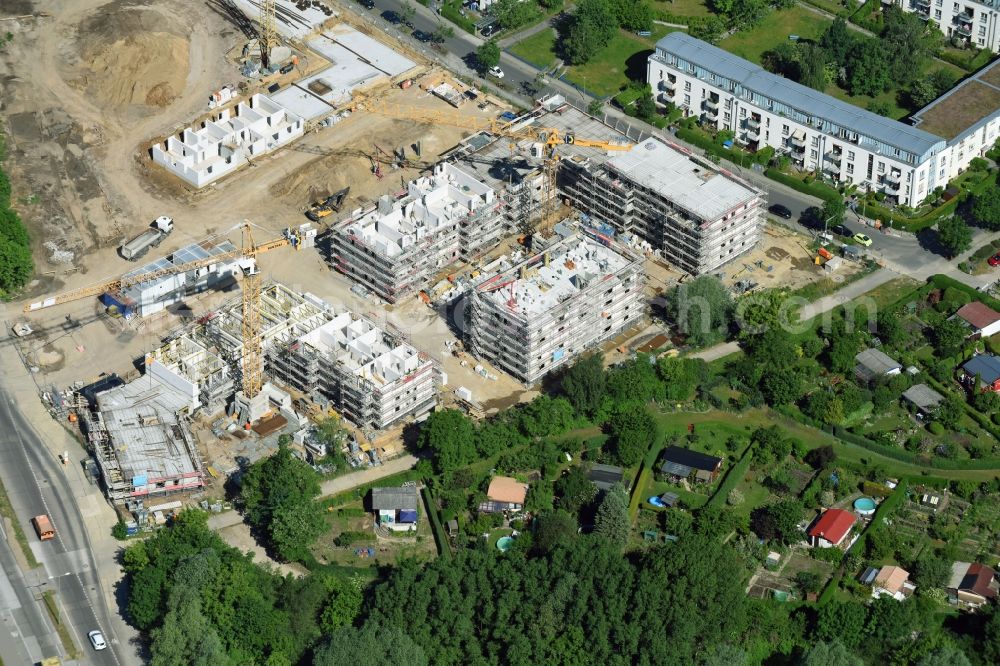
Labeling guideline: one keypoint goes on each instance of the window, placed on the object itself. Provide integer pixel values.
(850, 154)
(784, 130)
(981, 42)
(726, 117)
(687, 100)
(937, 14)
(982, 30)
(813, 154)
(982, 18)
(687, 86)
(850, 168)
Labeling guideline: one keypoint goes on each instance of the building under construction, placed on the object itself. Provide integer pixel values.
(536, 316)
(396, 247)
(370, 374)
(691, 213)
(696, 216)
(142, 442)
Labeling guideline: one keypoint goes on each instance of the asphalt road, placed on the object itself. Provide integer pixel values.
(35, 483)
(26, 635)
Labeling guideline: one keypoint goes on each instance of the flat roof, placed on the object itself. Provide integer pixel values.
(706, 193)
(810, 102)
(380, 56)
(302, 102)
(346, 74)
(573, 265)
(141, 420)
(960, 110)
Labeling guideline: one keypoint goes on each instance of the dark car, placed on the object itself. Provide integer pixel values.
(367, 4)
(490, 29)
(780, 211)
(994, 260)
(422, 36)
(392, 17)
(841, 230)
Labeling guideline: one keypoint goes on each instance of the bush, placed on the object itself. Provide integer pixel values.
(935, 428)
(818, 190)
(351, 537)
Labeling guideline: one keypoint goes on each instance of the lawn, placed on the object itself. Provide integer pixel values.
(683, 7)
(608, 71)
(774, 30)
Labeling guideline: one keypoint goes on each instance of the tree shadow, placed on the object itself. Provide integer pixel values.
(635, 66)
(930, 241)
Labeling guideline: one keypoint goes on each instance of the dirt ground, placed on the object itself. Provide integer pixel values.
(781, 259)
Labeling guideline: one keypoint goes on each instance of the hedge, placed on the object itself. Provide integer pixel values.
(733, 478)
(816, 189)
(944, 282)
(451, 13)
(444, 549)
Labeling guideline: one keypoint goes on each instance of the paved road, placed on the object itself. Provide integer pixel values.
(26, 635)
(35, 483)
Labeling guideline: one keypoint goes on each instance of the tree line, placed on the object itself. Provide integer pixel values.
(16, 265)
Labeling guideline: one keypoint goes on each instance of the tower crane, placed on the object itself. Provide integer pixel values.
(267, 36)
(252, 358)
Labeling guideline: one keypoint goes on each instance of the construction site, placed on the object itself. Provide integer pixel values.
(459, 248)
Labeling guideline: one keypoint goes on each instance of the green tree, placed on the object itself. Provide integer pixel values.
(781, 387)
(812, 66)
(778, 521)
(596, 107)
(583, 384)
(931, 571)
(770, 446)
(488, 54)
(764, 310)
(633, 431)
(746, 14)
(449, 435)
(950, 412)
(946, 656)
(278, 494)
(645, 107)
(633, 14)
(708, 29)
(369, 646)
(838, 41)
(514, 13)
(575, 490)
(406, 14)
(867, 69)
(612, 519)
(634, 381)
(701, 309)
(954, 235)
(343, 602)
(948, 337)
(680, 376)
(922, 92)
(587, 31)
(833, 211)
(186, 636)
(830, 654)
(723, 654)
(880, 107)
(552, 529)
(16, 265)
(841, 620)
(986, 208)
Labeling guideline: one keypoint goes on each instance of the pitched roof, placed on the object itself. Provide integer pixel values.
(978, 315)
(923, 396)
(506, 489)
(605, 476)
(986, 366)
(689, 458)
(891, 578)
(394, 499)
(754, 78)
(833, 525)
(876, 362)
(978, 579)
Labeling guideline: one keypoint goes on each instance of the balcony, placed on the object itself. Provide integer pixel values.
(665, 98)
(753, 123)
(753, 135)
(710, 105)
(893, 177)
(668, 86)
(926, 4)
(962, 31)
(798, 142)
(835, 157)
(963, 20)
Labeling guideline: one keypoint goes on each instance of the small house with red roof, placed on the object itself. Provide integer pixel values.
(972, 584)
(831, 529)
(983, 321)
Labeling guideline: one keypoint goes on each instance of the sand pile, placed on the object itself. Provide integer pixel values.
(132, 56)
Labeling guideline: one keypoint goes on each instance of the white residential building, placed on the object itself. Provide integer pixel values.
(227, 141)
(977, 23)
(822, 133)
(541, 313)
(396, 247)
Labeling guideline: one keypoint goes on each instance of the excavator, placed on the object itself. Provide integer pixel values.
(328, 206)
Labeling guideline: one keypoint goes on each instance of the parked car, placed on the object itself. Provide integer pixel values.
(496, 72)
(391, 16)
(780, 211)
(490, 29)
(422, 36)
(862, 239)
(994, 260)
(367, 4)
(97, 640)
(841, 230)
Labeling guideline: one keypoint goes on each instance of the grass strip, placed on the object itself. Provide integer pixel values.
(7, 509)
(52, 606)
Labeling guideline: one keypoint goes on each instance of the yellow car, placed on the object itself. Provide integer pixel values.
(862, 239)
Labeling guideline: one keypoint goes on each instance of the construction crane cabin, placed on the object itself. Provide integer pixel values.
(250, 404)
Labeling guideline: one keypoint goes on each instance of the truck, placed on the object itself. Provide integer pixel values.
(43, 527)
(136, 248)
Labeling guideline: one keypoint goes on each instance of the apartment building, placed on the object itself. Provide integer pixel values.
(372, 376)
(396, 247)
(973, 22)
(696, 216)
(539, 314)
(816, 131)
